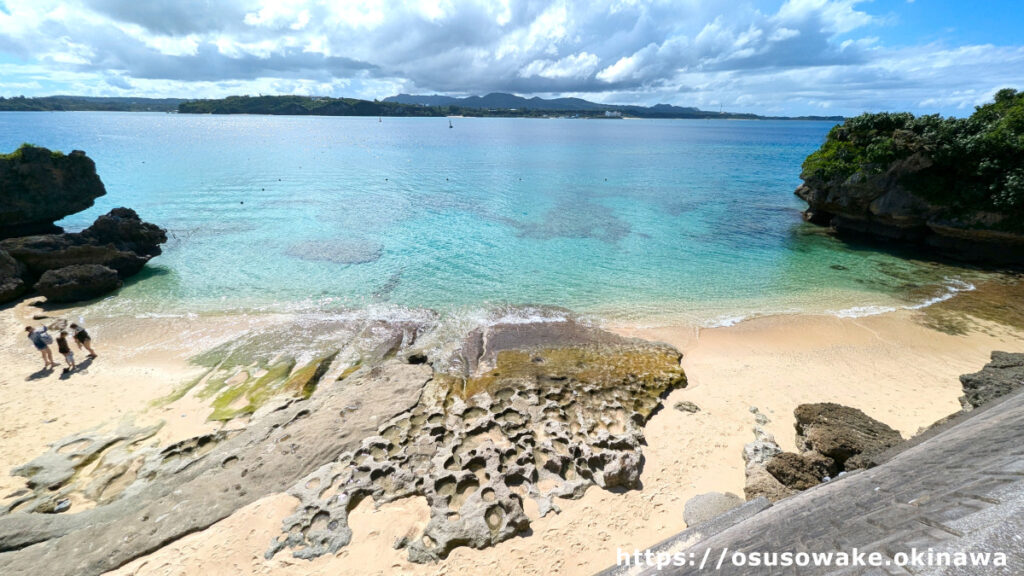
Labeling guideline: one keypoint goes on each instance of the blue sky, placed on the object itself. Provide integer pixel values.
(762, 56)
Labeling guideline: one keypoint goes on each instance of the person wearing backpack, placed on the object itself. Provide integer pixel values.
(41, 340)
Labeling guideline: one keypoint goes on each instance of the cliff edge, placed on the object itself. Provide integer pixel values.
(951, 186)
(39, 187)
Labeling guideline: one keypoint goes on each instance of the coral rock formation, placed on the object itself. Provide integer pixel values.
(39, 187)
(78, 282)
(529, 421)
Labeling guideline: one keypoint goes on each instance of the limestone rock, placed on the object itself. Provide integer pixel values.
(544, 421)
(12, 278)
(840, 432)
(880, 206)
(78, 282)
(123, 228)
(760, 452)
(1004, 374)
(118, 240)
(800, 471)
(539, 411)
(760, 483)
(39, 187)
(704, 507)
(686, 406)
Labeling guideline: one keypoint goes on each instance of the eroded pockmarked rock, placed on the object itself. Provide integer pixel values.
(147, 496)
(523, 421)
(545, 413)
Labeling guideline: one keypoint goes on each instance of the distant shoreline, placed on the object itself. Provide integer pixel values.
(509, 107)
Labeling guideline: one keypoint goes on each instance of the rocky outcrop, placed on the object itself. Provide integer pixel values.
(846, 435)
(12, 278)
(881, 206)
(39, 187)
(118, 240)
(78, 282)
(1004, 374)
(548, 410)
(756, 455)
(800, 471)
(540, 411)
(832, 439)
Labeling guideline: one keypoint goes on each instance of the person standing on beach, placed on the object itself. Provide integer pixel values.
(65, 350)
(83, 340)
(41, 340)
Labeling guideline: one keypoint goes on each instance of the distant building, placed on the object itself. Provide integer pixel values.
(612, 114)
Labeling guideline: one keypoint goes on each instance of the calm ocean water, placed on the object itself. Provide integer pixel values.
(627, 220)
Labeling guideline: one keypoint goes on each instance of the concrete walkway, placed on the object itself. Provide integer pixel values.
(959, 489)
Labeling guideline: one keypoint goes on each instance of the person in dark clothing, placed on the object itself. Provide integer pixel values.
(83, 340)
(65, 350)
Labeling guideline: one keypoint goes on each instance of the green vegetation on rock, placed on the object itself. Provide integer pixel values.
(972, 165)
(20, 152)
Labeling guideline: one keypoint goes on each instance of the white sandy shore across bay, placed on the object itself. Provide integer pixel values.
(890, 366)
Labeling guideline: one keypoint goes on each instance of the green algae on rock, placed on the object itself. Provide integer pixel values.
(558, 407)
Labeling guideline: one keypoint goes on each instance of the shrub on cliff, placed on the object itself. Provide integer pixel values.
(977, 163)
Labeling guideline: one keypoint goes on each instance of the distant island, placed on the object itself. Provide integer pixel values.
(492, 105)
(88, 104)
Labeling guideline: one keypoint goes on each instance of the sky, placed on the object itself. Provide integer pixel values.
(777, 57)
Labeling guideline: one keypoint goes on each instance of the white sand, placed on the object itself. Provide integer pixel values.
(889, 366)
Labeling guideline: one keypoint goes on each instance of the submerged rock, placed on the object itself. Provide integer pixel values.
(39, 187)
(78, 282)
(1004, 374)
(337, 251)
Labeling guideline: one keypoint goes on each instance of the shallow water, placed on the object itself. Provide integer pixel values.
(640, 221)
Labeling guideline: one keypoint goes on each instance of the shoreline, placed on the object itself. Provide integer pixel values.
(686, 454)
(894, 366)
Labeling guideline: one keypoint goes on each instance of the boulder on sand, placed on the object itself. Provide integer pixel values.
(12, 278)
(840, 432)
(704, 507)
(78, 282)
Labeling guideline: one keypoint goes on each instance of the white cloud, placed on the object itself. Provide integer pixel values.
(575, 66)
(781, 56)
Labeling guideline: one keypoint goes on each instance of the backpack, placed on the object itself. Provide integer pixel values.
(46, 338)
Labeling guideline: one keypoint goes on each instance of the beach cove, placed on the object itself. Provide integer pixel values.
(357, 367)
(896, 366)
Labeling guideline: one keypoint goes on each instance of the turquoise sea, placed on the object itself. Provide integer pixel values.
(639, 221)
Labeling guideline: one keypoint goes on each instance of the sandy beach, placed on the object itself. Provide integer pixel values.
(894, 367)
